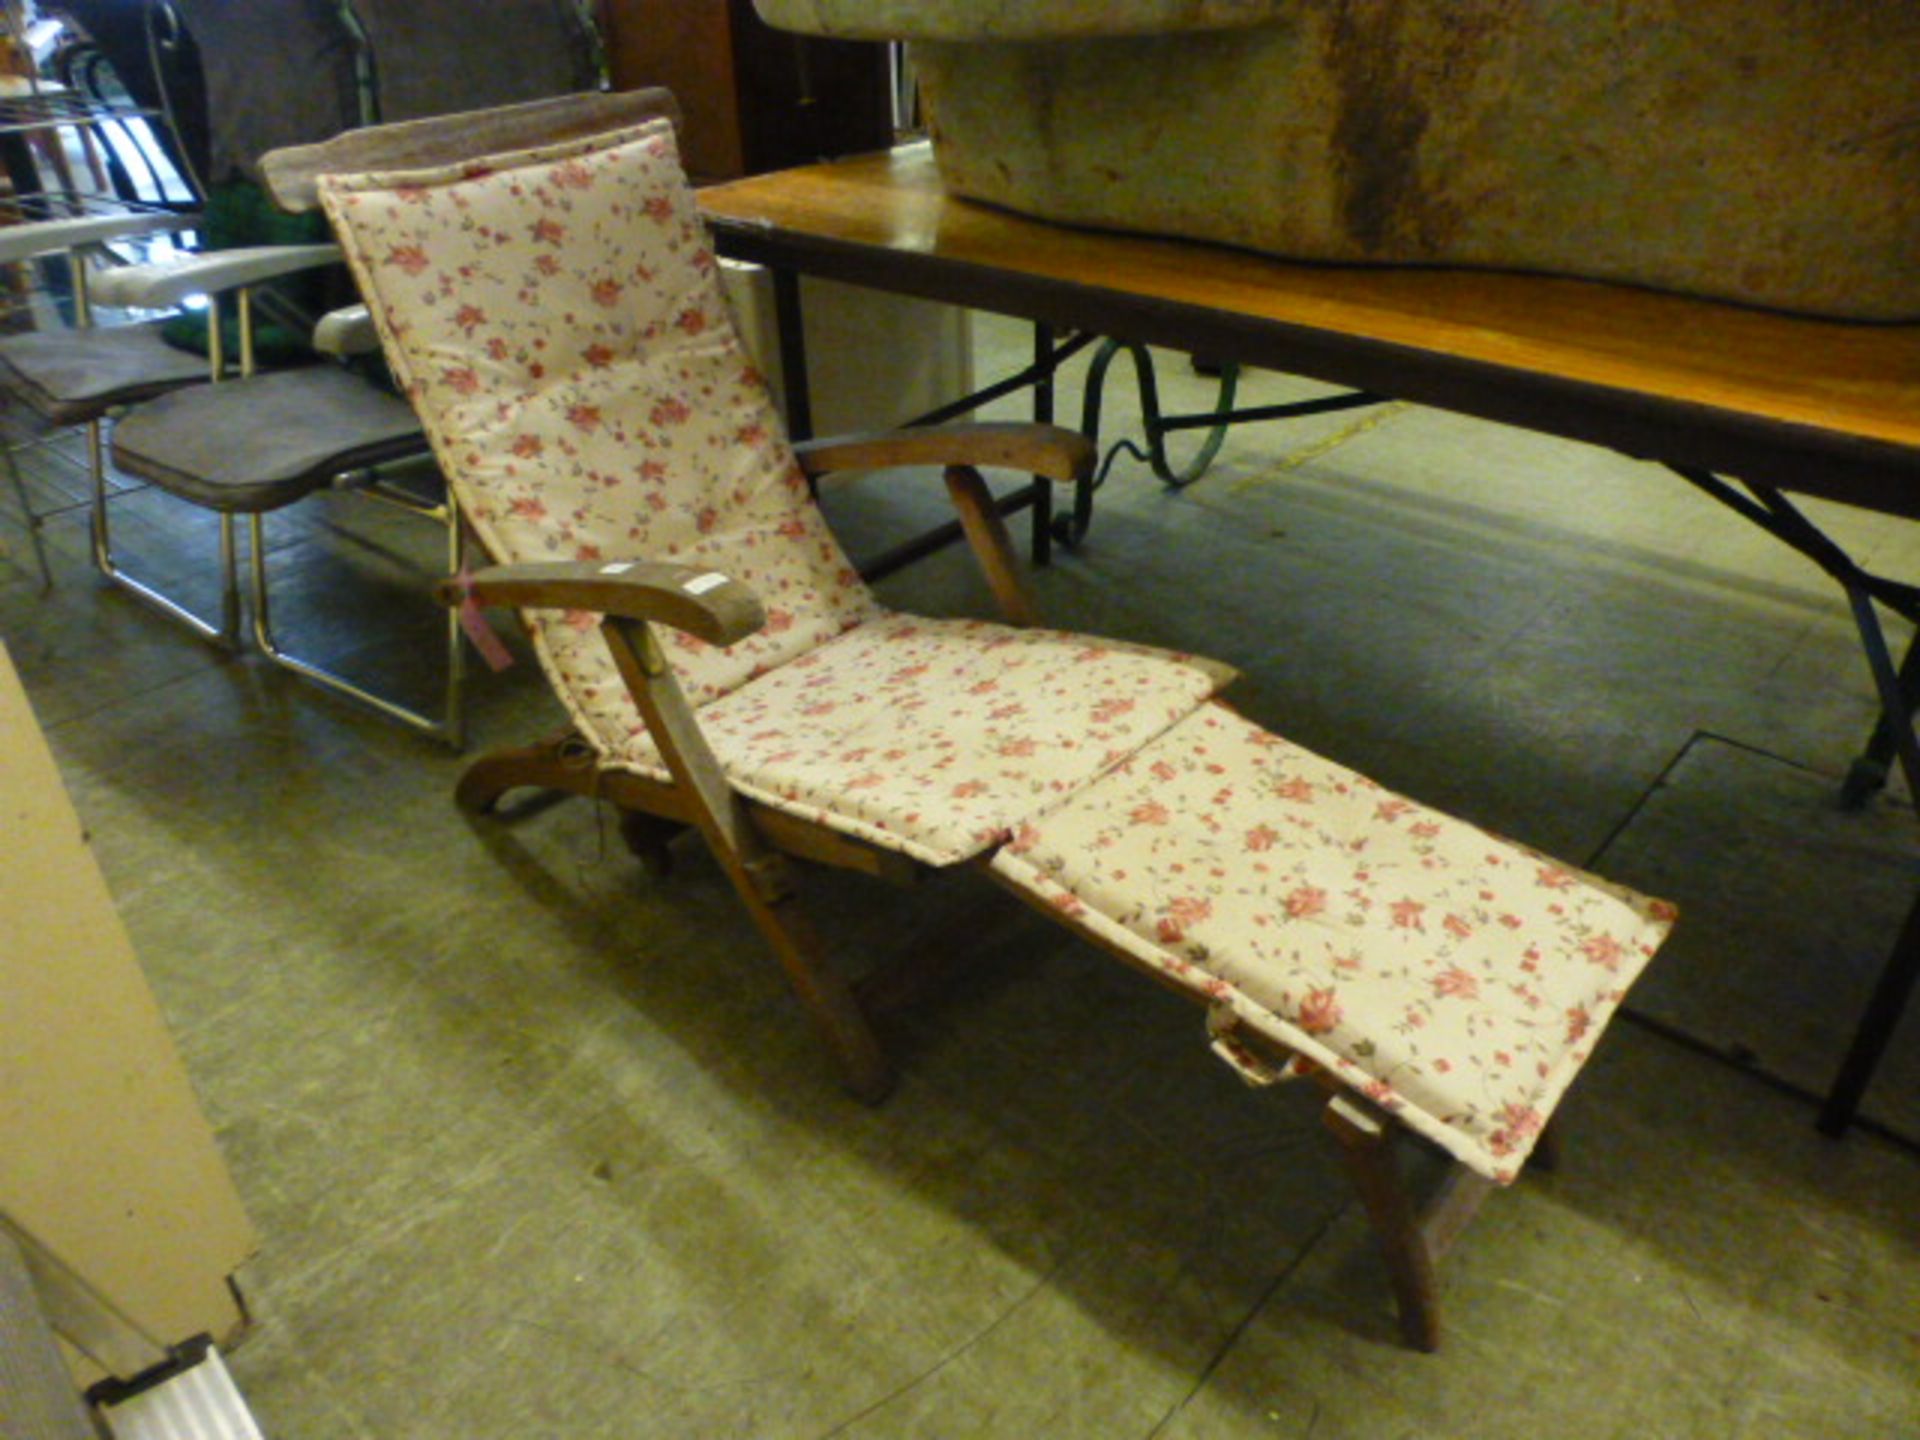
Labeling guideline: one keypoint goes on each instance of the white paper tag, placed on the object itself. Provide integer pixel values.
(619, 567)
(700, 584)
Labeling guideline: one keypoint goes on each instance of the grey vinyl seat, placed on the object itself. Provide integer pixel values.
(261, 441)
(295, 432)
(277, 72)
(76, 376)
(70, 377)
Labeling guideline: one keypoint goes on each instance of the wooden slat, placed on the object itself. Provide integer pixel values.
(804, 840)
(986, 533)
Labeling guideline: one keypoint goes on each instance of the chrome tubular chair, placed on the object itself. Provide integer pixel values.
(73, 377)
(253, 441)
(278, 72)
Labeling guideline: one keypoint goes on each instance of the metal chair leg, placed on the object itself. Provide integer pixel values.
(449, 726)
(29, 518)
(226, 634)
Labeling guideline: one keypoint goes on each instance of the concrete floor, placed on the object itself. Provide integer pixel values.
(539, 1146)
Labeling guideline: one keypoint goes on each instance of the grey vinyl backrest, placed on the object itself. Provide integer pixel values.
(434, 57)
(278, 73)
(450, 139)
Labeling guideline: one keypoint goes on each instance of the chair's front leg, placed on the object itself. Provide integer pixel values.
(757, 872)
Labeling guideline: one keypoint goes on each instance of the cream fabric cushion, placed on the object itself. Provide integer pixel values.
(556, 319)
(1454, 978)
(938, 737)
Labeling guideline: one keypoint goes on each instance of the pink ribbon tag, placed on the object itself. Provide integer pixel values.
(473, 621)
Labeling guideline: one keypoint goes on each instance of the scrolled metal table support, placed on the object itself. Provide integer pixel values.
(1156, 427)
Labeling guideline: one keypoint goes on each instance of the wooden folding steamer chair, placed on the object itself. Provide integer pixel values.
(545, 292)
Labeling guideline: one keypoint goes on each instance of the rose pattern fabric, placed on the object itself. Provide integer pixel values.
(558, 325)
(557, 321)
(938, 737)
(1456, 979)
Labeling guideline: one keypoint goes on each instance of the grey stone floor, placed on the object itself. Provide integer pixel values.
(538, 1146)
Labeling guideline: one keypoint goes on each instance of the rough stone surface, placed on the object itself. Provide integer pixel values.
(1012, 19)
(1764, 151)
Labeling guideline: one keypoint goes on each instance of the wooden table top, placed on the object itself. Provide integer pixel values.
(1817, 406)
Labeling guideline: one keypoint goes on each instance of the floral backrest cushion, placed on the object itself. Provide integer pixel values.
(556, 318)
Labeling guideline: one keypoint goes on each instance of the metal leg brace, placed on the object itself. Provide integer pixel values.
(29, 517)
(226, 634)
(449, 726)
(1895, 736)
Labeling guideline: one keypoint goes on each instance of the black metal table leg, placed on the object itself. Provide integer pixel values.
(1877, 1023)
(1043, 363)
(1895, 985)
(791, 324)
(1868, 773)
(1895, 737)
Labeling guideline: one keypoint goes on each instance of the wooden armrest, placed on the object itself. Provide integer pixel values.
(1049, 450)
(704, 603)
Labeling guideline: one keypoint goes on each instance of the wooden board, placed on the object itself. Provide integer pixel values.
(105, 1158)
(1821, 407)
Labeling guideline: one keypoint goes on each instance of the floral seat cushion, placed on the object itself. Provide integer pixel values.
(938, 737)
(1456, 979)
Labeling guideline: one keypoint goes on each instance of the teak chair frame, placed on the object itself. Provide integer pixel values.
(755, 844)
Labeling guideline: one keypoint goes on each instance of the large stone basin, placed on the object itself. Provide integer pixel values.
(1761, 151)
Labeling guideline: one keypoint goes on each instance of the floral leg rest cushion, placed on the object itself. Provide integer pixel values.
(1455, 979)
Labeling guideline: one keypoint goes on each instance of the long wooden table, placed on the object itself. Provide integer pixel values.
(1748, 405)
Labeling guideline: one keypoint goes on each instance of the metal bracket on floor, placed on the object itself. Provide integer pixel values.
(153, 1391)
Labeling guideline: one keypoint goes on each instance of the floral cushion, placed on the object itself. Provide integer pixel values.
(556, 319)
(937, 737)
(1456, 979)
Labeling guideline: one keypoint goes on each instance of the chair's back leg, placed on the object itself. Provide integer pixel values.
(449, 726)
(757, 872)
(1365, 1146)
